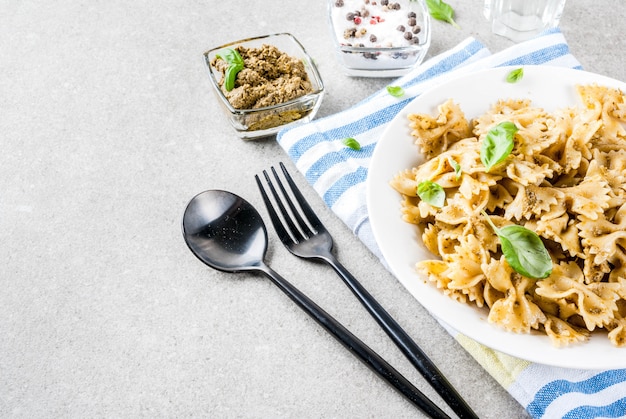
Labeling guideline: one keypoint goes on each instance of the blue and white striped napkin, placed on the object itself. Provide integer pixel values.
(338, 174)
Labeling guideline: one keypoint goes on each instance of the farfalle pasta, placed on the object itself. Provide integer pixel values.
(565, 180)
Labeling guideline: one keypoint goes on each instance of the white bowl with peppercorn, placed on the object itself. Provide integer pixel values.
(265, 83)
(379, 38)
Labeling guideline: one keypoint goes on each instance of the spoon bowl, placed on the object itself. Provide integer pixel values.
(227, 233)
(224, 231)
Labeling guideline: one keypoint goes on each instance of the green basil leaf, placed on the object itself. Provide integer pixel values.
(352, 143)
(440, 10)
(235, 65)
(230, 55)
(515, 75)
(525, 252)
(230, 76)
(395, 91)
(431, 193)
(456, 167)
(497, 144)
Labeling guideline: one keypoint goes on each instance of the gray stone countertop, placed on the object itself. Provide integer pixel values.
(109, 127)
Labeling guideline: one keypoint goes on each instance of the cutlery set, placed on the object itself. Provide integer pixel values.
(228, 234)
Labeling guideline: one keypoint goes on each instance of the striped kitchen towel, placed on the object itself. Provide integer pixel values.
(338, 174)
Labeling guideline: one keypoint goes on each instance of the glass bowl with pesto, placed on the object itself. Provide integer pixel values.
(265, 83)
(379, 38)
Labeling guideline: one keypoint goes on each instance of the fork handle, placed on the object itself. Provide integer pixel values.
(407, 345)
(359, 349)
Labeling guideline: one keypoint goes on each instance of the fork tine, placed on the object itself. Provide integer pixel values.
(301, 222)
(282, 232)
(292, 227)
(291, 232)
(306, 208)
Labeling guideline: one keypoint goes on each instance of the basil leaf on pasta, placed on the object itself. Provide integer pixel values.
(456, 167)
(523, 250)
(432, 193)
(497, 144)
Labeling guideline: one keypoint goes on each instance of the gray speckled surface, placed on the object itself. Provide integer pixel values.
(108, 128)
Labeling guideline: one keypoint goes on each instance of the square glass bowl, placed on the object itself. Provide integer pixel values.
(268, 120)
(379, 38)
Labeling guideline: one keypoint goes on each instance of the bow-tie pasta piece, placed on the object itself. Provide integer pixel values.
(617, 334)
(617, 326)
(594, 272)
(430, 238)
(532, 201)
(595, 303)
(562, 230)
(441, 242)
(411, 211)
(433, 168)
(562, 333)
(499, 198)
(528, 172)
(498, 274)
(604, 237)
(434, 135)
(588, 199)
(405, 183)
(618, 272)
(611, 109)
(577, 148)
(436, 272)
(612, 166)
(516, 312)
(458, 209)
(464, 265)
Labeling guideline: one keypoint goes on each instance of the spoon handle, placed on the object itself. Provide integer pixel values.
(359, 349)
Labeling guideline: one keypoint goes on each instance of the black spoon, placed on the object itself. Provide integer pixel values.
(227, 233)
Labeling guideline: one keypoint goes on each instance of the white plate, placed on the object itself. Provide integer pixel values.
(401, 245)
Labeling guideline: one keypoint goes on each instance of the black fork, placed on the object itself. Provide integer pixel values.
(304, 235)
